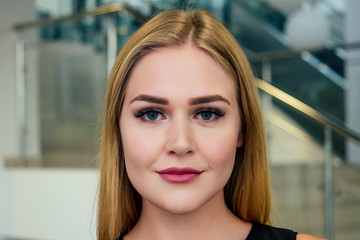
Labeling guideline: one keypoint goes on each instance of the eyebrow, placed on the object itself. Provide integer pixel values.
(208, 99)
(151, 99)
(193, 101)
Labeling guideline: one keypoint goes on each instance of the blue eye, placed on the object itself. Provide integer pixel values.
(149, 115)
(209, 114)
(206, 115)
(152, 115)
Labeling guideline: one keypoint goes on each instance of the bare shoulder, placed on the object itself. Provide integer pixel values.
(307, 237)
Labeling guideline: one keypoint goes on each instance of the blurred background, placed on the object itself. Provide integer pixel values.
(55, 57)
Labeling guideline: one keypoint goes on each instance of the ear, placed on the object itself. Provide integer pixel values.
(240, 141)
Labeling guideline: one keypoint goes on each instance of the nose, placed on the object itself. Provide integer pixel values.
(180, 138)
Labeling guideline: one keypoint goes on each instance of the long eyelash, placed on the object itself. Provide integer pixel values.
(212, 110)
(142, 112)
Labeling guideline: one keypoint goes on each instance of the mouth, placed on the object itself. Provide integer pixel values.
(179, 175)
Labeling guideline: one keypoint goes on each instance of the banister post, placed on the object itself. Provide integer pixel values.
(329, 178)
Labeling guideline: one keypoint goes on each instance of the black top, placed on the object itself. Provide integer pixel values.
(265, 232)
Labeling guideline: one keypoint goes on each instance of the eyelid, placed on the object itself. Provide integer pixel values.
(218, 113)
(140, 114)
(210, 109)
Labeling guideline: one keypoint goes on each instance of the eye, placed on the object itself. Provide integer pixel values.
(149, 115)
(209, 114)
(152, 116)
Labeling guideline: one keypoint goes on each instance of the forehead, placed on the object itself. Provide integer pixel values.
(181, 70)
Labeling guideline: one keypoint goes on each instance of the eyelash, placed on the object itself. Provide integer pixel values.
(142, 114)
(216, 114)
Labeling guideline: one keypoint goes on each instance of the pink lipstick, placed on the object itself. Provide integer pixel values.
(179, 175)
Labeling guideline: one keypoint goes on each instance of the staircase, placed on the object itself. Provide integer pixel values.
(299, 197)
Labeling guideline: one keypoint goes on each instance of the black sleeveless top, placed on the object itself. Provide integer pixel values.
(265, 232)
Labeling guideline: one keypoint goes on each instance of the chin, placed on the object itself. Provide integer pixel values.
(183, 205)
(180, 209)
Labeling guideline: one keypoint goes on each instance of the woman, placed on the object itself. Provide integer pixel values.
(183, 152)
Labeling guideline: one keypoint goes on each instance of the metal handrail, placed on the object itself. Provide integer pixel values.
(290, 53)
(102, 10)
(320, 117)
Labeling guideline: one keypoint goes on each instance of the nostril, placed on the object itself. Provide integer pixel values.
(172, 153)
(180, 153)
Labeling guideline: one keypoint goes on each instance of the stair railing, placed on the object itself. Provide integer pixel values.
(330, 124)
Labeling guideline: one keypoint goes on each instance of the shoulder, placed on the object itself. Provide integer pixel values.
(307, 237)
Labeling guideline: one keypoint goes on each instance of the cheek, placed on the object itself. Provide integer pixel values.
(136, 147)
(220, 150)
(139, 154)
(141, 149)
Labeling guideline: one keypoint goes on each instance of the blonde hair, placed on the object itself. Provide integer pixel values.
(247, 193)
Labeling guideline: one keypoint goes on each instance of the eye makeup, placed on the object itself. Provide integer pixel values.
(150, 114)
(208, 114)
(203, 114)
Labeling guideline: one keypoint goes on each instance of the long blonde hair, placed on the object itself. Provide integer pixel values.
(247, 193)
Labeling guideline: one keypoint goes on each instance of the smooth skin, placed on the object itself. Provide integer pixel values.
(180, 110)
(307, 237)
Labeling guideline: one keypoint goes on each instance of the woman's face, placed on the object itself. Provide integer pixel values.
(180, 128)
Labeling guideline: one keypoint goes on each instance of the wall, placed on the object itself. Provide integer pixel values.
(49, 204)
(36, 203)
(10, 12)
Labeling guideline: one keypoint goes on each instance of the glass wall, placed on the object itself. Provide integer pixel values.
(66, 71)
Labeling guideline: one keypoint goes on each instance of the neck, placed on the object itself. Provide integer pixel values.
(213, 220)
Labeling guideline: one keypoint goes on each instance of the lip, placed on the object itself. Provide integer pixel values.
(179, 175)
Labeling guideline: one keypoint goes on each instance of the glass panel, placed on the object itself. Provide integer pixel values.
(296, 166)
(298, 194)
(66, 76)
(297, 173)
(347, 194)
(65, 85)
(303, 80)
